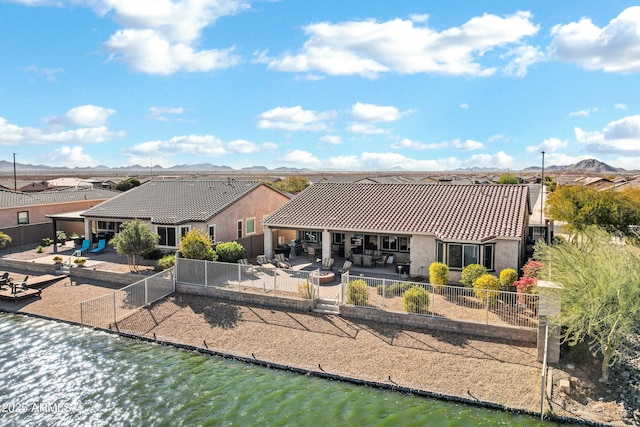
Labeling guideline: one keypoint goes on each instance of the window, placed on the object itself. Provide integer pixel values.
(459, 256)
(488, 257)
(167, 236)
(212, 232)
(389, 243)
(23, 217)
(239, 230)
(311, 236)
(251, 225)
(439, 251)
(404, 244)
(184, 231)
(337, 238)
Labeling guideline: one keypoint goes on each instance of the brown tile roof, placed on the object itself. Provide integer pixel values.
(461, 212)
(13, 199)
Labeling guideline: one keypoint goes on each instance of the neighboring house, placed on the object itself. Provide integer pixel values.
(417, 223)
(225, 209)
(34, 187)
(24, 216)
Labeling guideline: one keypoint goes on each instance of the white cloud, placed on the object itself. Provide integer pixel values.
(620, 107)
(149, 52)
(294, 119)
(466, 145)
(523, 58)
(195, 145)
(48, 73)
(548, 146)
(464, 106)
(613, 48)
(366, 129)
(375, 113)
(160, 113)
(70, 157)
(14, 135)
(301, 158)
(583, 113)
(332, 139)
(369, 48)
(84, 115)
(620, 137)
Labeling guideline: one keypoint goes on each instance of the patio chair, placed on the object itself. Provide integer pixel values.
(367, 261)
(327, 264)
(4, 280)
(311, 252)
(102, 243)
(281, 261)
(345, 267)
(264, 262)
(249, 267)
(86, 244)
(15, 286)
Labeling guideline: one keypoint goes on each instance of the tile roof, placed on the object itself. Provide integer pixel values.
(174, 201)
(460, 212)
(15, 199)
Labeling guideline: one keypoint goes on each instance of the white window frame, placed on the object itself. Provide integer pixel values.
(247, 222)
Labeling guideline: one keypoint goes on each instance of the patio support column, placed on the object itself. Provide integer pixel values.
(87, 229)
(347, 245)
(268, 242)
(326, 244)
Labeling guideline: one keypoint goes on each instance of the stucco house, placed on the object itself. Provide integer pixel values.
(416, 223)
(26, 216)
(226, 209)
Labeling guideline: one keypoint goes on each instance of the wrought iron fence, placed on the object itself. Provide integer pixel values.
(109, 309)
(277, 282)
(452, 302)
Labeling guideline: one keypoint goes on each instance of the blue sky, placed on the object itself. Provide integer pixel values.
(357, 85)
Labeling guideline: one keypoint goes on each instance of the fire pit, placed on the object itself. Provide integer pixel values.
(324, 276)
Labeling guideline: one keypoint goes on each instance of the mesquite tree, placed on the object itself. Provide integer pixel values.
(133, 240)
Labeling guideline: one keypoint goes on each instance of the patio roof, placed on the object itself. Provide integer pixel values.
(456, 213)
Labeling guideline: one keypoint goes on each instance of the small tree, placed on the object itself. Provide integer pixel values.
(229, 251)
(197, 244)
(600, 293)
(470, 273)
(358, 293)
(134, 240)
(507, 178)
(507, 277)
(484, 283)
(4, 240)
(415, 300)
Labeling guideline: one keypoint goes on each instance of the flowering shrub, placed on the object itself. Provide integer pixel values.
(526, 285)
(485, 283)
(438, 274)
(507, 277)
(533, 269)
(470, 273)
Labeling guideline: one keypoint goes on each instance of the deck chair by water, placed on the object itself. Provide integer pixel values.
(4, 280)
(16, 286)
(327, 264)
(345, 267)
(281, 261)
(102, 243)
(86, 244)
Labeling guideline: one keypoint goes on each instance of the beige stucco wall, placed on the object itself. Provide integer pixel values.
(423, 253)
(37, 214)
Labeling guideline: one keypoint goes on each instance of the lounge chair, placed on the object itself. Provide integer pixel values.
(327, 264)
(281, 261)
(86, 245)
(249, 267)
(367, 261)
(345, 267)
(264, 262)
(15, 286)
(102, 243)
(4, 279)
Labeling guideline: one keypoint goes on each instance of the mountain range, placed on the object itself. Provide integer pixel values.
(584, 166)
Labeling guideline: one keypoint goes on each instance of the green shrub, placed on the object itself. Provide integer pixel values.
(229, 251)
(155, 254)
(46, 241)
(416, 300)
(61, 236)
(39, 249)
(484, 283)
(358, 292)
(507, 277)
(470, 273)
(306, 290)
(165, 262)
(394, 290)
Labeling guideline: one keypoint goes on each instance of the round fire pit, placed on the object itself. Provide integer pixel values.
(324, 276)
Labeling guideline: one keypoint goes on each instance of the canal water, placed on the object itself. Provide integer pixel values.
(56, 374)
